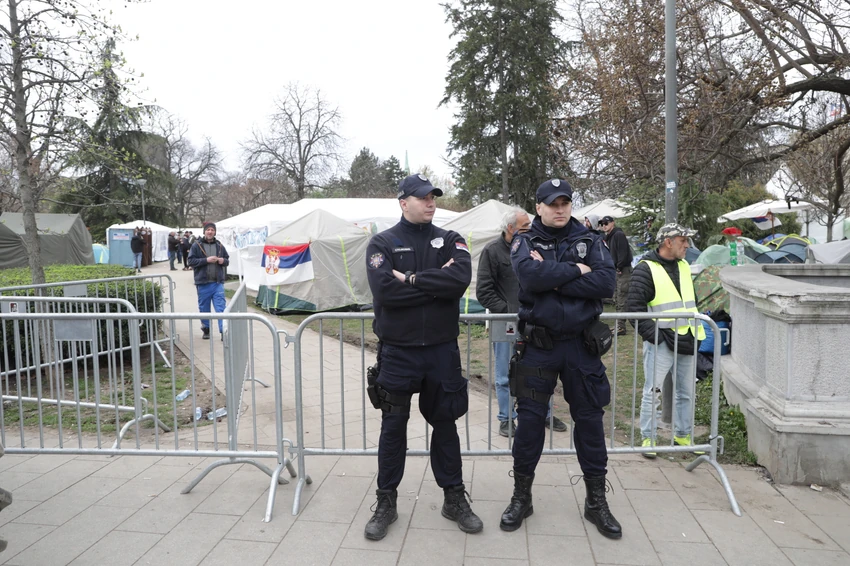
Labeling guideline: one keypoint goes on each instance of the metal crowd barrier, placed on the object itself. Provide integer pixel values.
(341, 421)
(138, 289)
(80, 356)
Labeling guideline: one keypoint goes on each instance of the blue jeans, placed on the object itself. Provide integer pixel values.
(171, 257)
(659, 358)
(137, 260)
(502, 352)
(211, 293)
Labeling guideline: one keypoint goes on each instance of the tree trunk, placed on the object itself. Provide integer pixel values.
(23, 151)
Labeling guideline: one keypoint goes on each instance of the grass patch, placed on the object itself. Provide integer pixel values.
(731, 425)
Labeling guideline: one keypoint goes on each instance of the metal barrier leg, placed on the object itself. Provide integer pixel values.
(131, 423)
(228, 461)
(723, 480)
(296, 501)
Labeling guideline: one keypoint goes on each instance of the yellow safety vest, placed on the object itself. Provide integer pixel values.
(667, 299)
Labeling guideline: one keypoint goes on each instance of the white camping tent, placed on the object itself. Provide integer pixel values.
(478, 226)
(606, 207)
(159, 236)
(833, 252)
(338, 258)
(250, 229)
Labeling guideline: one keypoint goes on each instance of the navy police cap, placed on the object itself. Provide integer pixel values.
(417, 185)
(552, 189)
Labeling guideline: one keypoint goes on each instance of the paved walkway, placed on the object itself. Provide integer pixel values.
(129, 510)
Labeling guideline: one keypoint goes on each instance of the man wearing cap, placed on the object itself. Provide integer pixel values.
(564, 272)
(418, 273)
(209, 258)
(621, 254)
(662, 282)
(173, 249)
(496, 289)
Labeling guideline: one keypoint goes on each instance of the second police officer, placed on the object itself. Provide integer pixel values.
(564, 272)
(418, 273)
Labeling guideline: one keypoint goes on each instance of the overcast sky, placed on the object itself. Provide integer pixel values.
(219, 65)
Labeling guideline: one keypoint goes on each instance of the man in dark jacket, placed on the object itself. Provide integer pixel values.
(173, 249)
(185, 246)
(564, 272)
(621, 254)
(662, 282)
(137, 246)
(209, 258)
(418, 273)
(496, 289)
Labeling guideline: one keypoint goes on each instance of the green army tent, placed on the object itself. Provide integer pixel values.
(64, 239)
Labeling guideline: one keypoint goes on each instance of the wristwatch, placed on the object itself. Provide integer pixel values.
(407, 275)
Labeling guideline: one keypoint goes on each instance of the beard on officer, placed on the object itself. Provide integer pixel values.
(564, 271)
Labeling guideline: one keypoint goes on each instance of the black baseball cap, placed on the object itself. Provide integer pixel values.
(552, 189)
(417, 185)
(606, 220)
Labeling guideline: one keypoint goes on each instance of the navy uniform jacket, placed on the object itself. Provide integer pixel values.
(553, 293)
(426, 313)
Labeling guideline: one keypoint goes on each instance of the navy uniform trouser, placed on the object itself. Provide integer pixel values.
(435, 373)
(587, 391)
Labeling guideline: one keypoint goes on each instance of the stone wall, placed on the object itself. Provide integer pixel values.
(789, 370)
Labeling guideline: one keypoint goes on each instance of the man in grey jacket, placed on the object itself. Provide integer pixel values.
(496, 289)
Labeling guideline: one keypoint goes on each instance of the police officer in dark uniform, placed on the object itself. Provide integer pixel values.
(564, 272)
(418, 273)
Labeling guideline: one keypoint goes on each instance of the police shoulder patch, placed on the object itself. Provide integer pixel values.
(376, 260)
(462, 246)
(515, 245)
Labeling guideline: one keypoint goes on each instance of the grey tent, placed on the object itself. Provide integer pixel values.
(64, 239)
(337, 251)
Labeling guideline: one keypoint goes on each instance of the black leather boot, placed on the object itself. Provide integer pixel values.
(385, 514)
(456, 508)
(596, 508)
(520, 506)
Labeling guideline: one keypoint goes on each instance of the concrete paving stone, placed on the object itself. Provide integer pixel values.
(755, 491)
(20, 537)
(545, 550)
(236, 494)
(229, 552)
(337, 500)
(251, 527)
(549, 473)
(14, 480)
(838, 528)
(215, 478)
(788, 527)
(739, 539)
(481, 561)
(16, 509)
(634, 548)
(635, 477)
(699, 489)
(127, 467)
(492, 542)
(188, 542)
(555, 512)
(812, 502)
(395, 535)
(664, 517)
(690, 553)
(165, 511)
(40, 465)
(141, 490)
(63, 506)
(426, 513)
(309, 544)
(57, 479)
(117, 549)
(807, 557)
(73, 538)
(424, 547)
(357, 557)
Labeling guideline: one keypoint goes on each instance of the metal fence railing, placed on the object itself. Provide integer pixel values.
(84, 381)
(341, 421)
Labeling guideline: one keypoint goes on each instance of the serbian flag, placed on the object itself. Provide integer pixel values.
(283, 265)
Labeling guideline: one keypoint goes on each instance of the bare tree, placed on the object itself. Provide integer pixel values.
(191, 169)
(48, 60)
(300, 143)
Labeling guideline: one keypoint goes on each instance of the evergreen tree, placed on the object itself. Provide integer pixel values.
(501, 79)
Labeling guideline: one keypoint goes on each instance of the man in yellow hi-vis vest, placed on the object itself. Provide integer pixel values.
(662, 282)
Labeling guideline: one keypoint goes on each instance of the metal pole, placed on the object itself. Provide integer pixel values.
(671, 171)
(142, 184)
